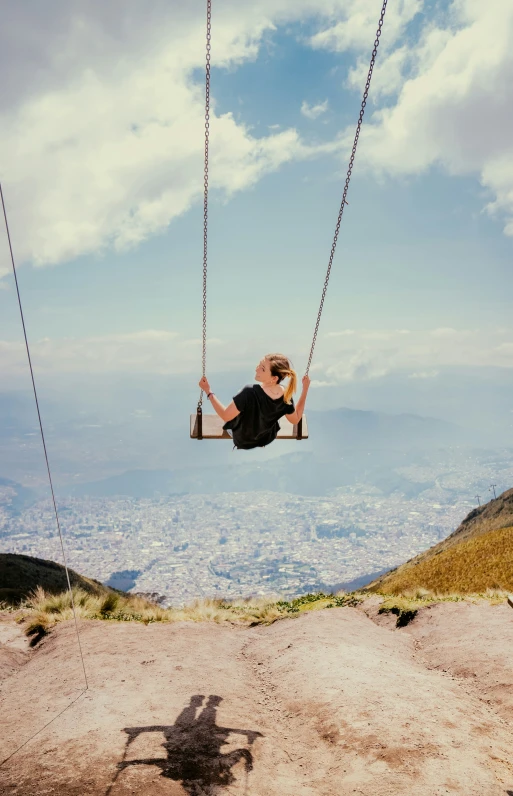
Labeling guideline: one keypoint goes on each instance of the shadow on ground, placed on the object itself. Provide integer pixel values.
(193, 748)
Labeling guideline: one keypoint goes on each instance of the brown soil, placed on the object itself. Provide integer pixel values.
(331, 703)
(14, 647)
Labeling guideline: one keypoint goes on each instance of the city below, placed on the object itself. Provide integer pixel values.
(245, 543)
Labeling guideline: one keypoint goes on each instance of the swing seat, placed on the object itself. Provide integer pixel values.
(213, 428)
(510, 600)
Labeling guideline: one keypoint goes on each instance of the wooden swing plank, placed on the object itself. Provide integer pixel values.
(510, 600)
(213, 428)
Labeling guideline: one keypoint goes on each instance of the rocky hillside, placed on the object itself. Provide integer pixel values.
(478, 555)
(20, 575)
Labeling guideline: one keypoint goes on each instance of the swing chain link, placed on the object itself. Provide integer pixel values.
(205, 194)
(348, 178)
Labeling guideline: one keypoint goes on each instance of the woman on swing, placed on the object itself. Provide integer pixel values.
(253, 415)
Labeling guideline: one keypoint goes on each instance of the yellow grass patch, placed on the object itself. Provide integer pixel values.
(482, 563)
(41, 611)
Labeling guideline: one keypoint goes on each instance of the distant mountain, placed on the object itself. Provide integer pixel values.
(22, 498)
(20, 575)
(93, 434)
(133, 483)
(477, 556)
(295, 473)
(345, 446)
(351, 428)
(18, 414)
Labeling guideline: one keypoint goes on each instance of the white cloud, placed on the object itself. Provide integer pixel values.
(505, 348)
(316, 383)
(92, 180)
(159, 351)
(448, 332)
(357, 27)
(454, 104)
(424, 374)
(314, 111)
(364, 355)
(101, 120)
(369, 354)
(147, 350)
(387, 75)
(363, 365)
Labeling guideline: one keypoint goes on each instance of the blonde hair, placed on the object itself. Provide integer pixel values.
(282, 368)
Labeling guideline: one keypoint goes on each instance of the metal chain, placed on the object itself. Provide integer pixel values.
(205, 195)
(348, 178)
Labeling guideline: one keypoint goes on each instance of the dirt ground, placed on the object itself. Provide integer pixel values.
(330, 703)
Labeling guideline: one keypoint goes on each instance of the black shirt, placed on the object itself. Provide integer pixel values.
(257, 424)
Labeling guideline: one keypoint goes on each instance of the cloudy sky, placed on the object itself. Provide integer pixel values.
(101, 146)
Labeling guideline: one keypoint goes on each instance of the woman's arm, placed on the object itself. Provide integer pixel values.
(296, 416)
(225, 413)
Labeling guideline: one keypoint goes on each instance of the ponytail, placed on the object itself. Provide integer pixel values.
(281, 367)
(291, 386)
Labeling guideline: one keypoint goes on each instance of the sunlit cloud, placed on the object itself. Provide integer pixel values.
(314, 111)
(102, 120)
(363, 356)
(451, 107)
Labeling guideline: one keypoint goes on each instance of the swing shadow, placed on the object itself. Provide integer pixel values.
(193, 749)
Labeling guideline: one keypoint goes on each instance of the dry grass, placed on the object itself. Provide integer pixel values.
(42, 611)
(472, 566)
(405, 606)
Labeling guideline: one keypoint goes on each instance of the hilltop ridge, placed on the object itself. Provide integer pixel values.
(497, 513)
(477, 556)
(20, 575)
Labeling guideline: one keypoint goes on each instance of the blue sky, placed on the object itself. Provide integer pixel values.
(107, 223)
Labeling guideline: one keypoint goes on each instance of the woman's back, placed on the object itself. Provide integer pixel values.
(258, 422)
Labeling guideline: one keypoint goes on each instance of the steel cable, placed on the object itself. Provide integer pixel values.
(43, 438)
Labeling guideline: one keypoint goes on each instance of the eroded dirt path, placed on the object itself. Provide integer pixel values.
(331, 703)
(14, 646)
